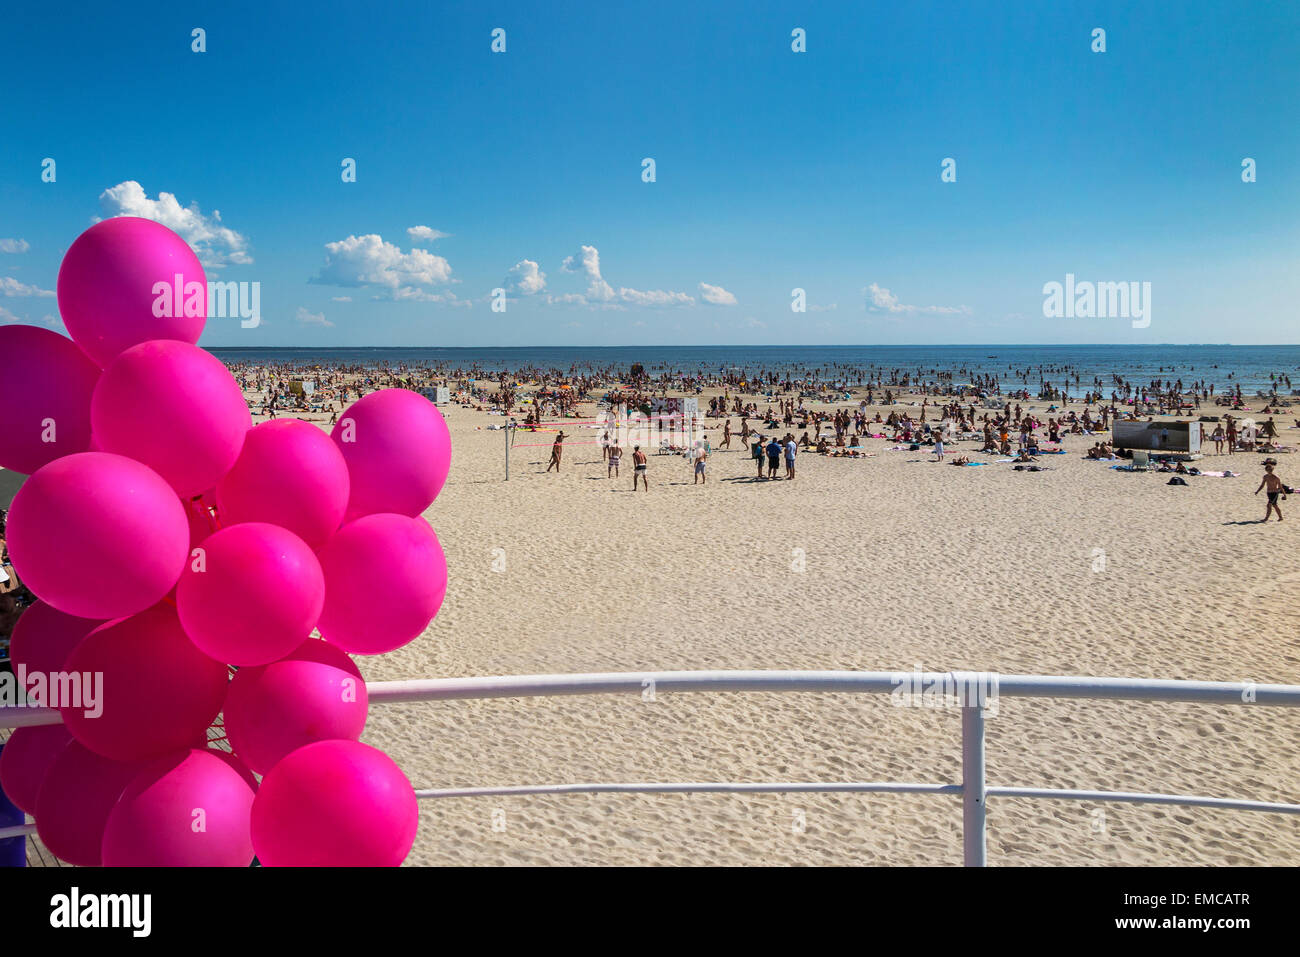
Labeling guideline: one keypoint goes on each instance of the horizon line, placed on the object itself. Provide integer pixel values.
(833, 345)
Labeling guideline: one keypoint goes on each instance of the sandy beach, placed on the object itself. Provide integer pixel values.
(906, 563)
(888, 562)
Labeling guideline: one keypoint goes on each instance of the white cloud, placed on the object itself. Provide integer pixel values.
(525, 278)
(587, 259)
(716, 295)
(215, 244)
(340, 298)
(601, 294)
(831, 308)
(369, 261)
(418, 233)
(312, 318)
(10, 286)
(880, 299)
(655, 297)
(411, 294)
(14, 245)
(7, 317)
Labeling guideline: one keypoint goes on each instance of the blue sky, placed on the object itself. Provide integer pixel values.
(774, 169)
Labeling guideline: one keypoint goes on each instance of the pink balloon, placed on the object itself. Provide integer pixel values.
(45, 387)
(157, 692)
(116, 279)
(41, 643)
(27, 756)
(97, 535)
(155, 822)
(289, 473)
(385, 578)
(175, 408)
(79, 791)
(398, 450)
(257, 596)
(243, 769)
(315, 694)
(335, 804)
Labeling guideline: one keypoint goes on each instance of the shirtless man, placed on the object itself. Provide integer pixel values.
(701, 458)
(1275, 488)
(639, 467)
(726, 435)
(615, 455)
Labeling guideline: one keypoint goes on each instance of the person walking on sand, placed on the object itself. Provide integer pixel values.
(638, 468)
(1217, 438)
(726, 435)
(1275, 488)
(557, 452)
(604, 446)
(615, 454)
(791, 450)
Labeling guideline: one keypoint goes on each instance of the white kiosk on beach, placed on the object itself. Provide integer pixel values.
(1174, 437)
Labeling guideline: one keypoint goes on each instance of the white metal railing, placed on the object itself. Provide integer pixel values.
(973, 789)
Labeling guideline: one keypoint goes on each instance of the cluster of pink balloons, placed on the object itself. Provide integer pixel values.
(168, 538)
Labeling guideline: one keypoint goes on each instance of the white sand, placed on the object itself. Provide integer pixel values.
(907, 564)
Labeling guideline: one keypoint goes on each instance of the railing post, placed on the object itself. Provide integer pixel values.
(974, 789)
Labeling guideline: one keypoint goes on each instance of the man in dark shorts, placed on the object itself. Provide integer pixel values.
(1275, 488)
(638, 468)
(773, 457)
(757, 452)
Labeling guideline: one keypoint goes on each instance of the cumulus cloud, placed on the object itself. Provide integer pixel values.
(587, 260)
(601, 294)
(525, 278)
(880, 299)
(568, 298)
(7, 317)
(368, 261)
(411, 294)
(213, 242)
(425, 233)
(9, 286)
(655, 297)
(14, 245)
(716, 295)
(312, 318)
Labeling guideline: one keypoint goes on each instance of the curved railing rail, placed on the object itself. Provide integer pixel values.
(972, 692)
